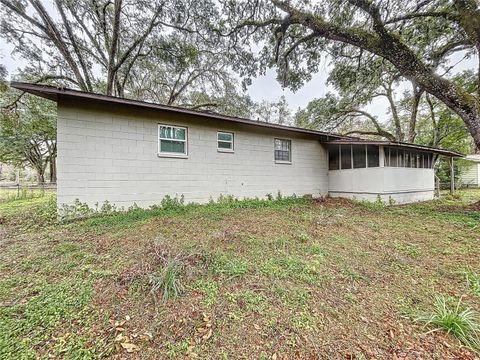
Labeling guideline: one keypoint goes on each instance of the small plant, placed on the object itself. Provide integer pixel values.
(473, 281)
(167, 280)
(279, 196)
(209, 288)
(222, 264)
(303, 237)
(169, 203)
(463, 323)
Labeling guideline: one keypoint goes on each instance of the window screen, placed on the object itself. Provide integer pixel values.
(172, 140)
(334, 157)
(283, 150)
(372, 156)
(346, 152)
(359, 156)
(224, 141)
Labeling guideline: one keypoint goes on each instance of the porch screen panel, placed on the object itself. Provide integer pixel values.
(359, 156)
(334, 157)
(373, 157)
(346, 151)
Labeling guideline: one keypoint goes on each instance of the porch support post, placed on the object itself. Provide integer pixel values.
(452, 176)
(381, 156)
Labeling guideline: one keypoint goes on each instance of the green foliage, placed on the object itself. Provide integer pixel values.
(7, 195)
(303, 237)
(28, 133)
(293, 267)
(167, 280)
(109, 215)
(228, 265)
(473, 281)
(463, 323)
(30, 214)
(24, 325)
(209, 288)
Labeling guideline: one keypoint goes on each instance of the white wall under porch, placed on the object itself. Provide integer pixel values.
(403, 185)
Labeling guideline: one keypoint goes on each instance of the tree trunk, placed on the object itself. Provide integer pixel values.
(40, 174)
(53, 169)
(412, 128)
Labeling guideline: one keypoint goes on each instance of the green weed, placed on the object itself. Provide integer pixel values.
(473, 281)
(223, 264)
(209, 288)
(24, 325)
(167, 280)
(463, 323)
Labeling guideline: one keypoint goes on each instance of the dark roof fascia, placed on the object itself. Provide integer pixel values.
(397, 144)
(55, 93)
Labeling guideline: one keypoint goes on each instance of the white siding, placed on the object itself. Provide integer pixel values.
(110, 153)
(471, 175)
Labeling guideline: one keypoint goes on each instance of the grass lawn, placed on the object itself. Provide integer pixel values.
(292, 278)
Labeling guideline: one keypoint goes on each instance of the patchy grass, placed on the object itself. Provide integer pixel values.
(284, 278)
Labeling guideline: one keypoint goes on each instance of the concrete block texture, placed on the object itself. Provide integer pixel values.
(110, 153)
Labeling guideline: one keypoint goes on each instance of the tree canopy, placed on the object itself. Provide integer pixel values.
(415, 38)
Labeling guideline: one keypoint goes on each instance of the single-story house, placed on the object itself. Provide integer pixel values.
(470, 177)
(133, 152)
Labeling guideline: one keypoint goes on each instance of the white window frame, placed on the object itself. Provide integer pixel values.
(219, 149)
(283, 161)
(172, 154)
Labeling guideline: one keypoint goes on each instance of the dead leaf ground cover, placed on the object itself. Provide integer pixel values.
(282, 279)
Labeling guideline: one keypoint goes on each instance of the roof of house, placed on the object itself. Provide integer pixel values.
(55, 93)
(473, 157)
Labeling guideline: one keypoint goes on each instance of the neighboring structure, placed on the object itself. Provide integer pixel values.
(126, 151)
(470, 177)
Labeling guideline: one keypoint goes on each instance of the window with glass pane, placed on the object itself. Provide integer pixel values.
(359, 156)
(346, 161)
(172, 140)
(283, 150)
(224, 141)
(372, 156)
(334, 157)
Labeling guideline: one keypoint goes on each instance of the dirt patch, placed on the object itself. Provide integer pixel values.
(330, 202)
(462, 209)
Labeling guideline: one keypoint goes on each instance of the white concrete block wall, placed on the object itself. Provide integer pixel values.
(110, 153)
(402, 185)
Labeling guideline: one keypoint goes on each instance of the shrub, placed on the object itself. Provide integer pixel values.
(455, 320)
